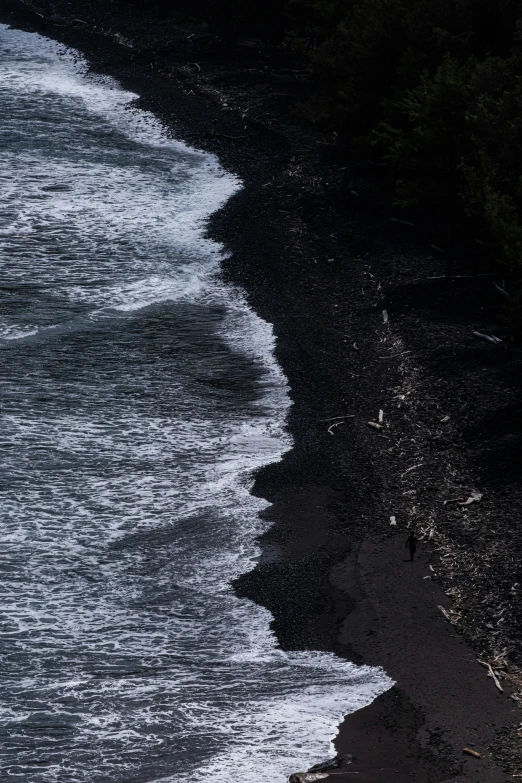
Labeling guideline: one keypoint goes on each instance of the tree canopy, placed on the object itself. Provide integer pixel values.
(433, 87)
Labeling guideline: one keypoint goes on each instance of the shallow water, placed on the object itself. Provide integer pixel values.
(137, 396)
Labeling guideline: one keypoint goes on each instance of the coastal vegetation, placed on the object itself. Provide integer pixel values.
(434, 89)
(431, 88)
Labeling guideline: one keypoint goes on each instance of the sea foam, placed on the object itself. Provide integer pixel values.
(139, 396)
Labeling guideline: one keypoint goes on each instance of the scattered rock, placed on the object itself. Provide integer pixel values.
(338, 761)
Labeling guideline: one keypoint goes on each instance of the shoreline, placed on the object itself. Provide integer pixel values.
(332, 571)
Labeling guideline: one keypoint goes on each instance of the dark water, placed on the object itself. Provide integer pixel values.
(137, 395)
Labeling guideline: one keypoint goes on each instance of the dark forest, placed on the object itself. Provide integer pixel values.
(431, 88)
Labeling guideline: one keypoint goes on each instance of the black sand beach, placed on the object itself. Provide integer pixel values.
(318, 256)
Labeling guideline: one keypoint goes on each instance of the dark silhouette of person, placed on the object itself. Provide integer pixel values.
(411, 544)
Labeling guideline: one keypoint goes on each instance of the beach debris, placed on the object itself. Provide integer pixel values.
(393, 521)
(471, 752)
(501, 290)
(336, 418)
(404, 222)
(474, 497)
(492, 674)
(445, 419)
(337, 421)
(459, 277)
(119, 38)
(393, 355)
(385, 316)
(445, 613)
(427, 577)
(334, 425)
(381, 416)
(338, 761)
(374, 425)
(489, 337)
(413, 467)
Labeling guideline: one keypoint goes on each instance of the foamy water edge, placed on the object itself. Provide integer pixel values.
(309, 717)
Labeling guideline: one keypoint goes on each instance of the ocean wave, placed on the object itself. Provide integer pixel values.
(139, 396)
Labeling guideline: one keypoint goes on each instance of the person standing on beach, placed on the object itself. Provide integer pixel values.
(411, 544)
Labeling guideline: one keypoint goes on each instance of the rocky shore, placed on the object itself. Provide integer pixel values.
(405, 414)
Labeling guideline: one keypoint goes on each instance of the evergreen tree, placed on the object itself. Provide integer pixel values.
(493, 169)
